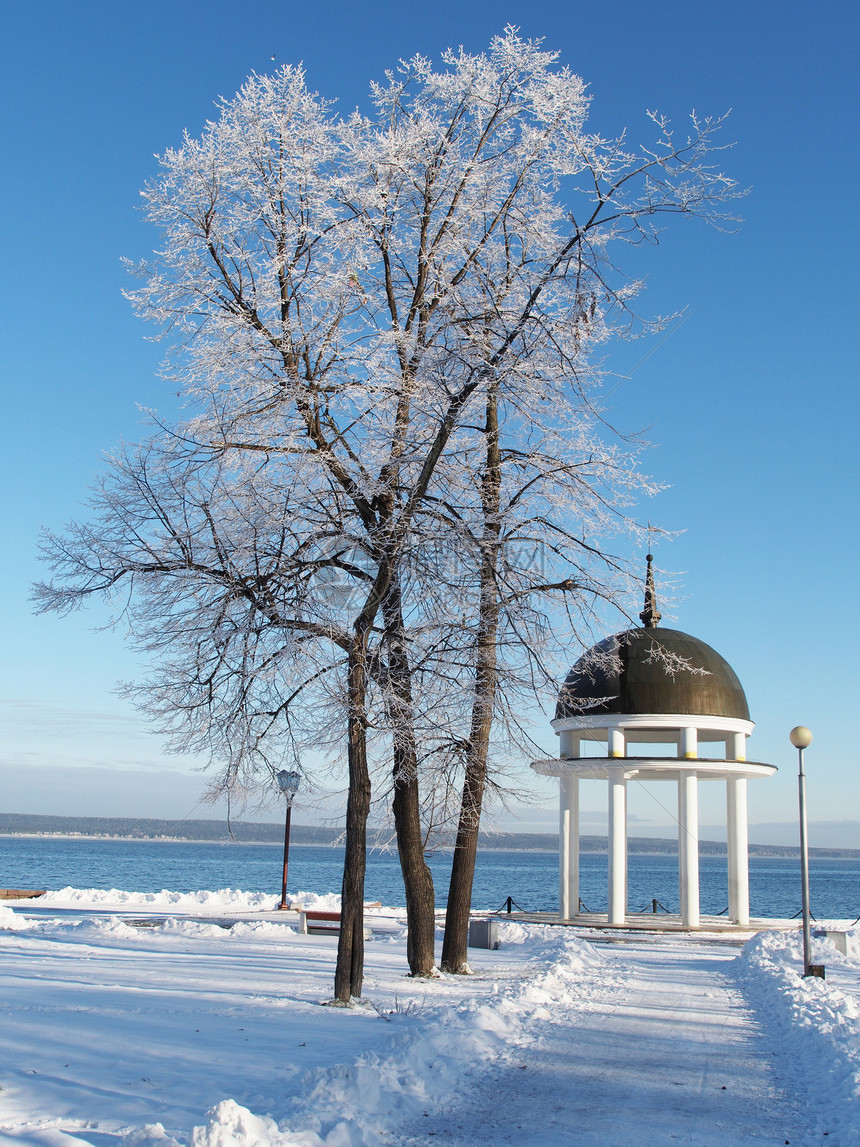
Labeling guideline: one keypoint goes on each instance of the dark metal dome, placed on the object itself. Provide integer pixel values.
(652, 670)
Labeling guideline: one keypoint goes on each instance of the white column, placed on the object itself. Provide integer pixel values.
(688, 848)
(682, 822)
(688, 744)
(738, 850)
(682, 838)
(568, 852)
(617, 847)
(616, 743)
(569, 744)
(738, 746)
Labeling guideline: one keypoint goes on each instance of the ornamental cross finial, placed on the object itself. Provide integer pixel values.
(650, 615)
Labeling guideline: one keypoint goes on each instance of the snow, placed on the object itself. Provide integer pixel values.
(166, 1018)
(226, 900)
(817, 1022)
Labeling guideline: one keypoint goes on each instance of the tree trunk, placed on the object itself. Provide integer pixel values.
(417, 878)
(349, 971)
(455, 944)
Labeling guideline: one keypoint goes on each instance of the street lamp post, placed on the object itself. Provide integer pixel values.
(801, 738)
(288, 783)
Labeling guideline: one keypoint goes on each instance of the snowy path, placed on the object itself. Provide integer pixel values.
(192, 1031)
(663, 1050)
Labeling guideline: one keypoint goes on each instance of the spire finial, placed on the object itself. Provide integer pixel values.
(650, 615)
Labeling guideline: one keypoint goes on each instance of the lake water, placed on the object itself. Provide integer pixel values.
(531, 878)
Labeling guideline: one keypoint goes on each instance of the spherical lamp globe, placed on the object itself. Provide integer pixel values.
(800, 737)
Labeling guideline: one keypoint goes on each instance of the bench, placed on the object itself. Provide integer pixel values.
(314, 923)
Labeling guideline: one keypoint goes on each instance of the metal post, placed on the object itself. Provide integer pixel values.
(283, 903)
(804, 865)
(801, 738)
(288, 783)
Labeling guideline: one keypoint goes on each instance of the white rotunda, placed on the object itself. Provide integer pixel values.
(660, 687)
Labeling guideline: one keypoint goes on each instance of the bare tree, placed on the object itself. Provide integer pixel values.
(343, 299)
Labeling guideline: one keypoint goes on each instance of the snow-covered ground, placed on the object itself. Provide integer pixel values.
(199, 1019)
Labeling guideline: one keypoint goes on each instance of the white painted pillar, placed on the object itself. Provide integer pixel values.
(617, 847)
(688, 848)
(569, 745)
(688, 744)
(736, 747)
(682, 838)
(568, 853)
(616, 743)
(737, 834)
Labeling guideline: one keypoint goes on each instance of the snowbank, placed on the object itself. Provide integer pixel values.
(11, 922)
(816, 1023)
(225, 900)
(431, 1054)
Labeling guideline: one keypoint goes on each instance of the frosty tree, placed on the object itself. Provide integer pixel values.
(382, 327)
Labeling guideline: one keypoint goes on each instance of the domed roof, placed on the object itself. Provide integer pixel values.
(652, 670)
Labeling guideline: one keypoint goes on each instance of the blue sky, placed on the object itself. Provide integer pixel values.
(751, 401)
